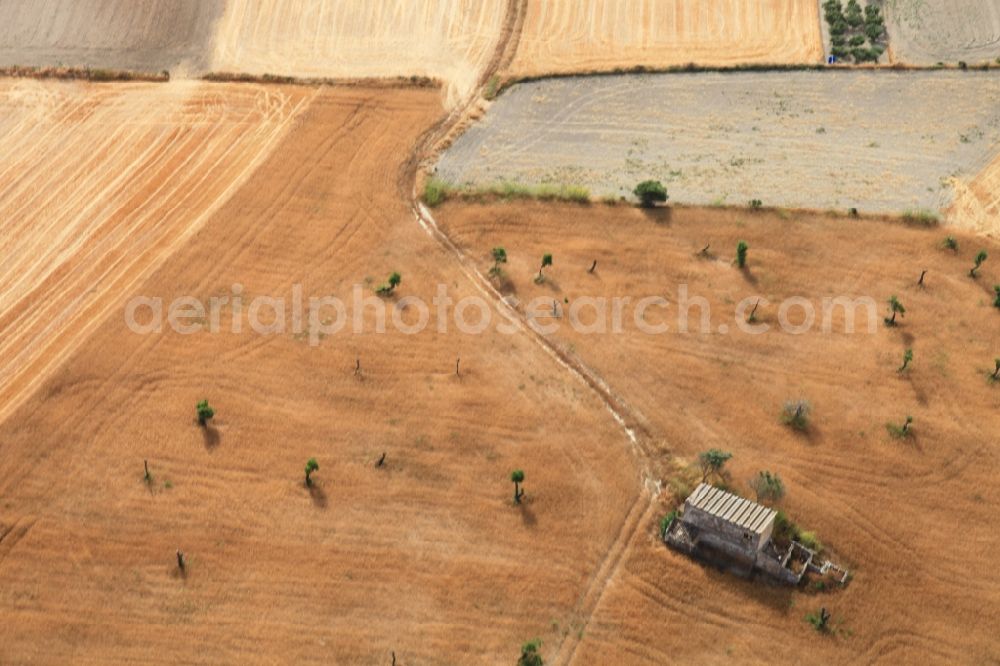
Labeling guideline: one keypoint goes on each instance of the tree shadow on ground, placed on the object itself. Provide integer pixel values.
(659, 214)
(210, 434)
(318, 496)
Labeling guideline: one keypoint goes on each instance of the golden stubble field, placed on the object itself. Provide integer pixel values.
(98, 185)
(597, 35)
(912, 519)
(426, 556)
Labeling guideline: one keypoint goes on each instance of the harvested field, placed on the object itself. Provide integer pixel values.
(142, 35)
(598, 35)
(451, 40)
(425, 557)
(878, 141)
(887, 508)
(977, 202)
(925, 32)
(98, 185)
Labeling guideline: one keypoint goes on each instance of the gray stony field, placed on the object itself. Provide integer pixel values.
(144, 35)
(880, 141)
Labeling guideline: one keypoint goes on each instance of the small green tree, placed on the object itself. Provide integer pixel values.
(650, 193)
(499, 257)
(950, 243)
(795, 414)
(980, 258)
(529, 654)
(741, 254)
(389, 287)
(712, 462)
(205, 413)
(996, 299)
(517, 476)
(546, 262)
(820, 621)
(900, 431)
(996, 373)
(311, 466)
(768, 486)
(907, 357)
(756, 204)
(895, 308)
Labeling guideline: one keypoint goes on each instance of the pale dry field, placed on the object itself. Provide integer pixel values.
(426, 557)
(145, 35)
(911, 519)
(451, 40)
(925, 32)
(878, 141)
(599, 35)
(98, 184)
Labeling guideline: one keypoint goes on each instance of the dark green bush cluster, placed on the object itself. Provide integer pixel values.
(851, 28)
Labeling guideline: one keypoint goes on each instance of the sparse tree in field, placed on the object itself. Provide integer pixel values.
(205, 413)
(895, 308)
(923, 274)
(147, 477)
(996, 373)
(741, 254)
(907, 357)
(756, 204)
(181, 564)
(499, 257)
(529, 654)
(820, 621)
(950, 243)
(311, 466)
(517, 476)
(796, 414)
(996, 299)
(650, 193)
(768, 486)
(900, 431)
(546, 262)
(712, 462)
(389, 287)
(980, 258)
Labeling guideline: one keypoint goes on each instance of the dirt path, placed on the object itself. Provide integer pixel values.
(644, 504)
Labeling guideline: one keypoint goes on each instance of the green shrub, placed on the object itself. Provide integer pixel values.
(741, 254)
(768, 486)
(436, 192)
(900, 431)
(895, 308)
(796, 413)
(311, 466)
(389, 287)
(924, 218)
(907, 359)
(650, 193)
(517, 477)
(980, 258)
(756, 204)
(809, 540)
(820, 620)
(529, 654)
(666, 522)
(205, 413)
(712, 462)
(950, 243)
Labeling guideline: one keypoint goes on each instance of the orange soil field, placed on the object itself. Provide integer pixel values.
(452, 40)
(914, 520)
(426, 557)
(598, 35)
(98, 185)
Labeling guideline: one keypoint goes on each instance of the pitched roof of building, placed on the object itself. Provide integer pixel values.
(731, 508)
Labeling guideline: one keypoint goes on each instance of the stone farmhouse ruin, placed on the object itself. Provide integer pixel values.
(727, 530)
